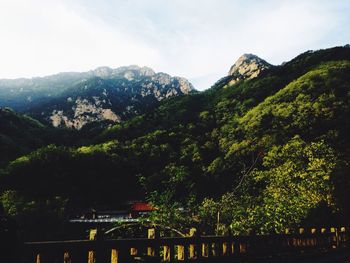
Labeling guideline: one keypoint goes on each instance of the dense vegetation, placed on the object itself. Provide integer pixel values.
(262, 155)
(21, 134)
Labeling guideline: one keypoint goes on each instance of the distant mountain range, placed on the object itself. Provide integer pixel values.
(75, 99)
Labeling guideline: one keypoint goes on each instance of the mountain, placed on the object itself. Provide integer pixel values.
(268, 152)
(248, 66)
(104, 94)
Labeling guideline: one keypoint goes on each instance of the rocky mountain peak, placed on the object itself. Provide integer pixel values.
(248, 66)
(103, 72)
(146, 71)
(129, 72)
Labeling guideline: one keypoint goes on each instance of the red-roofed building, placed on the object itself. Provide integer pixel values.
(139, 208)
(127, 212)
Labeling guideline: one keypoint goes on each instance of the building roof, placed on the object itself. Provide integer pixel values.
(142, 207)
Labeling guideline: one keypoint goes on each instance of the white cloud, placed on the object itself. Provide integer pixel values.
(48, 37)
(198, 39)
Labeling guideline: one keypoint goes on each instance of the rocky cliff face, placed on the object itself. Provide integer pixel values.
(248, 66)
(75, 99)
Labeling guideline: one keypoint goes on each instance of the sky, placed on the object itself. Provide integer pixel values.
(195, 39)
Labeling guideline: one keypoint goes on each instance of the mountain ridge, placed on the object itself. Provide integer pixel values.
(103, 94)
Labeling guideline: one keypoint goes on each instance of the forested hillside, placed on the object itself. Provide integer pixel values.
(21, 134)
(266, 153)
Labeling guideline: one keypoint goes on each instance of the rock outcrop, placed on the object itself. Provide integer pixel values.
(248, 66)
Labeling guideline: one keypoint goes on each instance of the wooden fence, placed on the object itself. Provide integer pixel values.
(188, 249)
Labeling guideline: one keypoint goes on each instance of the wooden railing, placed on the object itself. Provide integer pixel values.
(192, 248)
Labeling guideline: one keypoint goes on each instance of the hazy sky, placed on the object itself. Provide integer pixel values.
(196, 39)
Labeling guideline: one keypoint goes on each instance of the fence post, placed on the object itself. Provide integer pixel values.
(66, 257)
(342, 236)
(114, 256)
(323, 239)
(180, 253)
(92, 254)
(314, 239)
(192, 249)
(205, 250)
(335, 238)
(152, 251)
(232, 247)
(225, 251)
(168, 253)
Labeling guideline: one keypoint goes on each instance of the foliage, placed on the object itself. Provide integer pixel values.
(294, 179)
